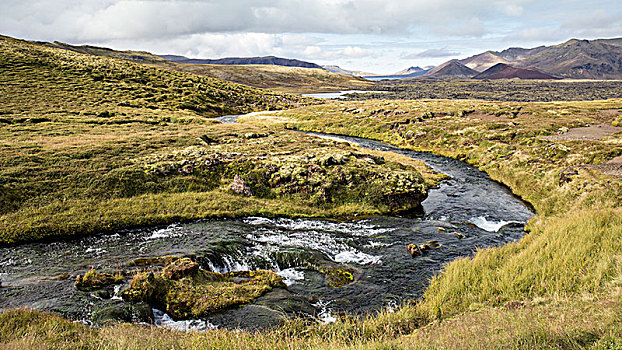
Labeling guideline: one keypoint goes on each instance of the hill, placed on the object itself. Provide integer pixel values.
(504, 71)
(578, 59)
(278, 78)
(482, 61)
(265, 76)
(450, 69)
(107, 84)
(236, 61)
(411, 70)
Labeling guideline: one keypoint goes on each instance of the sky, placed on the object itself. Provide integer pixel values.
(379, 36)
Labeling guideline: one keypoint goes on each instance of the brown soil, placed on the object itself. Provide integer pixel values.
(590, 133)
(612, 167)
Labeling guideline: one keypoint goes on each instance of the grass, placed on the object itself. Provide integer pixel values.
(543, 324)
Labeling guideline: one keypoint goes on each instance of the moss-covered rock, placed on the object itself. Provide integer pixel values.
(95, 280)
(180, 268)
(201, 292)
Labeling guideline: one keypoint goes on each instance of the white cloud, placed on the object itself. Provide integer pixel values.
(98, 20)
(442, 52)
(354, 51)
(311, 51)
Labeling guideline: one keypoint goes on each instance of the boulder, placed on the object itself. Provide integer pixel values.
(414, 250)
(425, 246)
(200, 292)
(240, 186)
(122, 312)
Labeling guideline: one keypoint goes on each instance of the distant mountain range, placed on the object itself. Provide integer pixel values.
(236, 61)
(578, 59)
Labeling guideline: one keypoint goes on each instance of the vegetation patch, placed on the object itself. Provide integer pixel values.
(185, 291)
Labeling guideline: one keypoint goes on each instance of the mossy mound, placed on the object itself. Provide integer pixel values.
(196, 292)
(324, 173)
(95, 280)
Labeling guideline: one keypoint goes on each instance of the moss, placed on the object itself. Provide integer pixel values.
(336, 277)
(200, 293)
(96, 280)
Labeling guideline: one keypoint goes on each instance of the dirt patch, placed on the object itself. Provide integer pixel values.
(590, 133)
(612, 167)
(479, 115)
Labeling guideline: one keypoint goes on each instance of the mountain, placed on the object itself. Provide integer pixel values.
(582, 59)
(482, 61)
(450, 69)
(505, 71)
(578, 59)
(236, 61)
(358, 73)
(411, 70)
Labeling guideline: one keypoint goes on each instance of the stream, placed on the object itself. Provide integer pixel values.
(468, 211)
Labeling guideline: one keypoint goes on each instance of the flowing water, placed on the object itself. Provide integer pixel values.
(466, 212)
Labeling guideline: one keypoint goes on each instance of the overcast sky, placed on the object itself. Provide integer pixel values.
(381, 36)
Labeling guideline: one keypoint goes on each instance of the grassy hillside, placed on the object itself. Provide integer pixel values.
(278, 78)
(45, 80)
(91, 144)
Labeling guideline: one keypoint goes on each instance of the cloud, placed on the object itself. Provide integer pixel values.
(443, 52)
(354, 51)
(100, 20)
(595, 23)
(371, 34)
(312, 51)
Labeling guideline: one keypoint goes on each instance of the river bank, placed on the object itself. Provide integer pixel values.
(467, 211)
